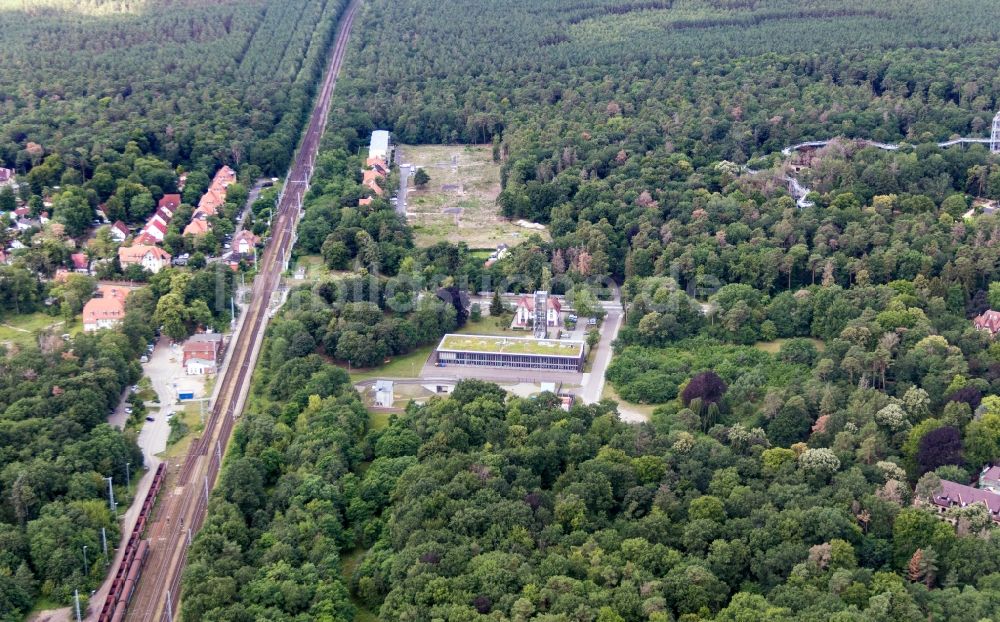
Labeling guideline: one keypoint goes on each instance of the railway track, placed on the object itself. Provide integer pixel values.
(182, 510)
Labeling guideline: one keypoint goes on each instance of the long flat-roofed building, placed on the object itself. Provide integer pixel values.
(379, 146)
(511, 352)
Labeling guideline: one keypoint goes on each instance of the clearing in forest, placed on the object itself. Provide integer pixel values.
(459, 202)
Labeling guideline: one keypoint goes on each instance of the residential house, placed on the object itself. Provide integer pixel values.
(501, 252)
(245, 242)
(989, 479)
(210, 203)
(106, 310)
(61, 275)
(197, 227)
(20, 212)
(953, 494)
(155, 229)
(182, 181)
(371, 179)
(152, 258)
(525, 312)
(365, 202)
(170, 203)
(6, 176)
(23, 224)
(144, 239)
(989, 321)
(81, 263)
(224, 177)
(119, 231)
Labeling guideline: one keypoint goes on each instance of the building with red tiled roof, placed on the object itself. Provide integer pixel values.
(524, 312)
(371, 179)
(119, 231)
(106, 310)
(152, 258)
(81, 263)
(224, 177)
(155, 229)
(170, 202)
(210, 202)
(245, 241)
(201, 353)
(197, 227)
(989, 320)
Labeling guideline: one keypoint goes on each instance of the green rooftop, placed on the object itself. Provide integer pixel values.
(511, 345)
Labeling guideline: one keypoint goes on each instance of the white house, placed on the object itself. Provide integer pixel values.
(199, 367)
(525, 314)
(152, 258)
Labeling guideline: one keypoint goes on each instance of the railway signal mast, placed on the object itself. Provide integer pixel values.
(995, 135)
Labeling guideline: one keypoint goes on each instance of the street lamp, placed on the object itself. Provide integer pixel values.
(85, 564)
(128, 477)
(111, 497)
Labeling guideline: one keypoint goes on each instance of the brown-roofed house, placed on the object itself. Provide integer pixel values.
(170, 202)
(201, 353)
(953, 494)
(245, 241)
(119, 231)
(371, 179)
(81, 263)
(152, 258)
(989, 320)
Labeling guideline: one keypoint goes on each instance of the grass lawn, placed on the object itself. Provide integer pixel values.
(191, 416)
(609, 393)
(378, 421)
(405, 366)
(348, 564)
(22, 330)
(510, 345)
(459, 202)
(773, 347)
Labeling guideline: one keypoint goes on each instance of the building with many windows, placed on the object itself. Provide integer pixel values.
(511, 352)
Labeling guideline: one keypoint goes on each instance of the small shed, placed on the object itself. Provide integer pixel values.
(383, 393)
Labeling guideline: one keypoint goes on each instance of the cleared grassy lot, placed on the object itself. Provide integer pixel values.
(459, 202)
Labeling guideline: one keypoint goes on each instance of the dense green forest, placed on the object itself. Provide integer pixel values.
(815, 371)
(194, 83)
(55, 451)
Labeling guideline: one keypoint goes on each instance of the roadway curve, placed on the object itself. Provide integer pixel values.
(182, 511)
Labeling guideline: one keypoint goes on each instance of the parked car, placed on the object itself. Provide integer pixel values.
(571, 317)
(143, 359)
(149, 419)
(592, 321)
